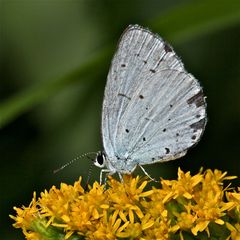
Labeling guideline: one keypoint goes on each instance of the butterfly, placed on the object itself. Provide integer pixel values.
(153, 109)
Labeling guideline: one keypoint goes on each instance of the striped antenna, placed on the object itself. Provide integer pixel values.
(74, 160)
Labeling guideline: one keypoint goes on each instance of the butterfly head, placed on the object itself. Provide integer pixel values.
(100, 160)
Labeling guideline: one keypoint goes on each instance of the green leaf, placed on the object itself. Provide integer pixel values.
(26, 100)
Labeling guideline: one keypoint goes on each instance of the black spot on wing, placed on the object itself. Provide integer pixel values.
(127, 130)
(144, 139)
(164, 130)
(141, 96)
(123, 65)
(124, 95)
(152, 70)
(167, 47)
(198, 125)
(167, 150)
(197, 99)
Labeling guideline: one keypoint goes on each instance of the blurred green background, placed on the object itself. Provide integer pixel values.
(55, 57)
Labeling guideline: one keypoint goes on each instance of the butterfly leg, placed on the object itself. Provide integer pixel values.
(120, 176)
(145, 172)
(107, 171)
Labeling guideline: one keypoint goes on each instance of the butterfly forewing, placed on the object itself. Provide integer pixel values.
(153, 109)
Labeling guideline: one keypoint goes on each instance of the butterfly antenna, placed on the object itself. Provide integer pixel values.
(74, 160)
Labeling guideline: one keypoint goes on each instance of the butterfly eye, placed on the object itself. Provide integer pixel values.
(100, 160)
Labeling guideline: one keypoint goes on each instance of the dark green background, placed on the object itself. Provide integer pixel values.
(55, 57)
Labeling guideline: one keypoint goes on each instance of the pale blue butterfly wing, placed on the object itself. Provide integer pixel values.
(153, 110)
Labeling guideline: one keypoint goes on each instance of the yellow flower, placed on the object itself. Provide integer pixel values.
(26, 215)
(190, 205)
(235, 231)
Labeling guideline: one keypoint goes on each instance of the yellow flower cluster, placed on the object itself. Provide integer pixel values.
(180, 209)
